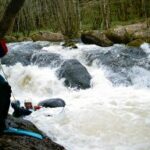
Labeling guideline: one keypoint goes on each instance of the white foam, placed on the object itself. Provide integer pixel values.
(103, 117)
(146, 47)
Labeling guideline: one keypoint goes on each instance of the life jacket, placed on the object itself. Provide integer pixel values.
(3, 48)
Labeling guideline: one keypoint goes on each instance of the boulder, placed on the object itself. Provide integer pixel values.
(129, 33)
(70, 44)
(142, 34)
(20, 52)
(21, 124)
(47, 36)
(118, 35)
(136, 43)
(14, 57)
(11, 142)
(96, 37)
(117, 57)
(75, 74)
(52, 103)
(131, 29)
(119, 61)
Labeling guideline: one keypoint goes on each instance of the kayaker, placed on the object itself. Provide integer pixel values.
(5, 91)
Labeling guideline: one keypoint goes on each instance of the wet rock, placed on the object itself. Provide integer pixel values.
(44, 59)
(136, 43)
(21, 123)
(75, 74)
(52, 103)
(25, 46)
(117, 57)
(96, 37)
(20, 56)
(20, 52)
(70, 44)
(12, 142)
(119, 61)
(119, 77)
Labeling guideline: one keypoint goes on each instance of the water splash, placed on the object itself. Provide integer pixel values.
(104, 117)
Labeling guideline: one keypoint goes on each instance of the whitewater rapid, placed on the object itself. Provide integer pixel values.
(104, 117)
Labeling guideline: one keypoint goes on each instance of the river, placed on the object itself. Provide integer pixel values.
(114, 114)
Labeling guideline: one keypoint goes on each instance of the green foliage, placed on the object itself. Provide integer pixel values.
(136, 43)
(72, 16)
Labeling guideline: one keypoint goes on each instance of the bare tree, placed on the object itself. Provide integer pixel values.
(105, 12)
(9, 16)
(66, 14)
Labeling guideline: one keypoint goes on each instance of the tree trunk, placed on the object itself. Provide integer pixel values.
(105, 11)
(9, 16)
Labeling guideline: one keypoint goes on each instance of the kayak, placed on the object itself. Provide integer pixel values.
(23, 132)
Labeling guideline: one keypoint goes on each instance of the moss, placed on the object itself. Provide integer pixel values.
(118, 35)
(10, 39)
(70, 43)
(136, 43)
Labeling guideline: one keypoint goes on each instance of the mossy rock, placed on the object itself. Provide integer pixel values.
(47, 36)
(136, 43)
(10, 39)
(118, 35)
(70, 44)
(20, 39)
(142, 34)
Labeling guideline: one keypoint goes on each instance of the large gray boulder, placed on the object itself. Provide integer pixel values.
(75, 74)
(118, 35)
(17, 56)
(20, 52)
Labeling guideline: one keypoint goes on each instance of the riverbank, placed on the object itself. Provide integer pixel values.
(132, 35)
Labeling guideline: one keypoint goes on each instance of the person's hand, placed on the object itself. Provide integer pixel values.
(37, 107)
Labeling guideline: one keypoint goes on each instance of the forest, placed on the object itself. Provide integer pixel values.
(71, 17)
(74, 74)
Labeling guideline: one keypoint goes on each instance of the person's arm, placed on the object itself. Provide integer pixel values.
(20, 112)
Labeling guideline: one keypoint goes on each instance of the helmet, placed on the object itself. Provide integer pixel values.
(28, 104)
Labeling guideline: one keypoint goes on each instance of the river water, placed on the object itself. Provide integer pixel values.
(111, 115)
